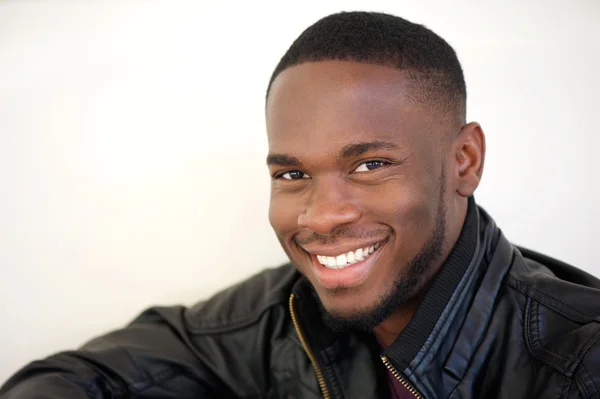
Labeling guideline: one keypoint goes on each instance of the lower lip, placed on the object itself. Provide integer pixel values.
(347, 277)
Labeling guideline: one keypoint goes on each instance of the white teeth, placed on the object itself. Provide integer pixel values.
(359, 255)
(331, 261)
(350, 256)
(343, 260)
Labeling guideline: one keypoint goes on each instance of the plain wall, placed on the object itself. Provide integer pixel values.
(132, 146)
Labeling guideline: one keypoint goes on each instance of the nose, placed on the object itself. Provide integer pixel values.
(330, 206)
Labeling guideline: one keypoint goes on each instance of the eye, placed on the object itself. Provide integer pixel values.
(370, 166)
(292, 175)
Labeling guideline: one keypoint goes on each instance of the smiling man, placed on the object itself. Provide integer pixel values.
(362, 201)
(399, 286)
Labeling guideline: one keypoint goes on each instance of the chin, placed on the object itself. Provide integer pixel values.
(346, 309)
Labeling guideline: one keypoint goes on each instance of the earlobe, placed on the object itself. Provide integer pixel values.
(470, 156)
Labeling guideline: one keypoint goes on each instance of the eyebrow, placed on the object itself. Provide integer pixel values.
(354, 150)
(282, 160)
(349, 151)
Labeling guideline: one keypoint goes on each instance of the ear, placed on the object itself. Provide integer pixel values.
(469, 150)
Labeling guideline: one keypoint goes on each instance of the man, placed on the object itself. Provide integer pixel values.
(400, 286)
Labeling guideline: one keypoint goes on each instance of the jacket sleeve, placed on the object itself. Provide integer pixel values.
(153, 357)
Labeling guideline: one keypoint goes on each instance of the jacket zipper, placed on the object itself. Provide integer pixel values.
(396, 374)
(309, 353)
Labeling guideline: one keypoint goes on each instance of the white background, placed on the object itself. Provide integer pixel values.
(132, 146)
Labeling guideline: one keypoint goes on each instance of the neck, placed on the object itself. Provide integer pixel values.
(390, 328)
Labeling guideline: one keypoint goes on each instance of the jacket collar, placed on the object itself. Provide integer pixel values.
(449, 343)
(439, 294)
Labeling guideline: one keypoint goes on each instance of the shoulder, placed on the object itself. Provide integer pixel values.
(244, 303)
(556, 284)
(561, 315)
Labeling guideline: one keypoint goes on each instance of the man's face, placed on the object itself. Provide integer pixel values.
(357, 197)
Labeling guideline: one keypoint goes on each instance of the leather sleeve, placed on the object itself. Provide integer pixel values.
(153, 357)
(222, 347)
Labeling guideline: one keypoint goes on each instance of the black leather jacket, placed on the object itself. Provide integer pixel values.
(497, 322)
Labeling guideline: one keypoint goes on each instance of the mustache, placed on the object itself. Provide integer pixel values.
(342, 233)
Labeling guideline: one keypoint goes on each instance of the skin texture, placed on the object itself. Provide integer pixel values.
(332, 193)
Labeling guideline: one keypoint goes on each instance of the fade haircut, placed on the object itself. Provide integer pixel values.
(434, 73)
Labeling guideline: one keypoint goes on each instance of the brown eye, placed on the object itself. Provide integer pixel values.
(369, 166)
(293, 175)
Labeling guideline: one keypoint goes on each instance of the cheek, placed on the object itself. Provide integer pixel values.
(410, 209)
(283, 214)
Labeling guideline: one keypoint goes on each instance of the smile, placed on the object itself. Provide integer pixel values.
(348, 258)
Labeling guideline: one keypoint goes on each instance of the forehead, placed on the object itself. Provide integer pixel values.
(332, 103)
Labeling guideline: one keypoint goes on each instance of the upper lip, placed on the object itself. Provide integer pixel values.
(335, 250)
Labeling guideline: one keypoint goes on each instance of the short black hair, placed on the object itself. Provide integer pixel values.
(383, 39)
